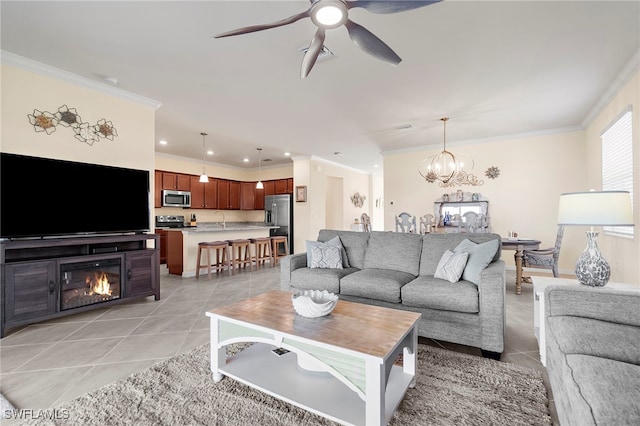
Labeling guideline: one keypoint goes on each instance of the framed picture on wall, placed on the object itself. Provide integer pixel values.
(301, 194)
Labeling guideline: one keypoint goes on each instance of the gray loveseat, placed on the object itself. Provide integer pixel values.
(593, 354)
(396, 270)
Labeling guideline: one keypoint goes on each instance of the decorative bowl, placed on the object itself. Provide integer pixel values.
(314, 303)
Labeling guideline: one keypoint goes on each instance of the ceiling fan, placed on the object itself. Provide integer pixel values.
(328, 14)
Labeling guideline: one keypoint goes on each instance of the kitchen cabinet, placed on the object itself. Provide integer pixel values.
(228, 194)
(247, 195)
(258, 199)
(157, 189)
(176, 181)
(234, 195)
(281, 186)
(269, 187)
(204, 195)
(163, 245)
(290, 186)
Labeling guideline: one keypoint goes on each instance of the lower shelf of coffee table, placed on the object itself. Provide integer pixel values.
(323, 394)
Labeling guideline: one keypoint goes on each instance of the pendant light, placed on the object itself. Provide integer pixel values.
(259, 185)
(203, 177)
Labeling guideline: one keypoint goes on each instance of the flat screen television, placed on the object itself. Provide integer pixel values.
(43, 197)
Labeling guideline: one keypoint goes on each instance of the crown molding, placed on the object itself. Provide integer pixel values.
(8, 58)
(629, 70)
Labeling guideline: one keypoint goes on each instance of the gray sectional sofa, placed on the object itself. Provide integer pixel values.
(593, 354)
(396, 270)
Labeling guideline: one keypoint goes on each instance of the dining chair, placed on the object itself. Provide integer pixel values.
(427, 223)
(475, 222)
(544, 258)
(366, 222)
(405, 223)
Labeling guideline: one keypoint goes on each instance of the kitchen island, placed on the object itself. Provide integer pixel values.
(182, 243)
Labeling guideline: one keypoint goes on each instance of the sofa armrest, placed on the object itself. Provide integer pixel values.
(288, 264)
(605, 304)
(491, 289)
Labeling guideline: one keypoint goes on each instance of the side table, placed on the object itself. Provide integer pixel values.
(539, 284)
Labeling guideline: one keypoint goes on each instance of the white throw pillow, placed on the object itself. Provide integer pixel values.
(451, 266)
(335, 241)
(326, 256)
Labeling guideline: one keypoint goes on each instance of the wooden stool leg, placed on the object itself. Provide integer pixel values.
(198, 262)
(209, 263)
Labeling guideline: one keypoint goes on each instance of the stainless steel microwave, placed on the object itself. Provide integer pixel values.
(176, 198)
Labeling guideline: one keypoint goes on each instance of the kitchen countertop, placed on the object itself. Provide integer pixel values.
(216, 227)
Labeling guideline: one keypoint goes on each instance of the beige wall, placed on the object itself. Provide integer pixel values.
(534, 171)
(23, 91)
(621, 253)
(321, 178)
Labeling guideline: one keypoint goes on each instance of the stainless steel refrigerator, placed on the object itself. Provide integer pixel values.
(278, 211)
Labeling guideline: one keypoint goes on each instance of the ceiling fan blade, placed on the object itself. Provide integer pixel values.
(311, 56)
(254, 28)
(382, 6)
(371, 44)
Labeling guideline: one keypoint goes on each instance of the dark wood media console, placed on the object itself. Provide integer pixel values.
(32, 281)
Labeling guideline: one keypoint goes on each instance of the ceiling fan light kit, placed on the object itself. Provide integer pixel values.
(329, 14)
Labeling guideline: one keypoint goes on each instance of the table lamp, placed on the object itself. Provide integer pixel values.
(594, 208)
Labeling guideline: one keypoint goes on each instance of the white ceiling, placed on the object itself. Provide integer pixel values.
(496, 68)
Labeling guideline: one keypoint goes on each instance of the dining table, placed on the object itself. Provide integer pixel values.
(519, 245)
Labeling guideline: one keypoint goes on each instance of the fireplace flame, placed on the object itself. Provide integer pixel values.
(99, 284)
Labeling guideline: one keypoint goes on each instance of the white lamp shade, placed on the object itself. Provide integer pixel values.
(259, 185)
(203, 178)
(595, 208)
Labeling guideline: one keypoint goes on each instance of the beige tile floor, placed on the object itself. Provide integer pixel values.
(45, 364)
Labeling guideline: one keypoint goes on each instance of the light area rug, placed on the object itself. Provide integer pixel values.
(451, 389)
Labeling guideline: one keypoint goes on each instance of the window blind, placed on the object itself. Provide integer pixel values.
(617, 164)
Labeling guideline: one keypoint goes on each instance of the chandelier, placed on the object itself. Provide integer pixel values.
(446, 168)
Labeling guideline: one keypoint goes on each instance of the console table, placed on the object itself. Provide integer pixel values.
(33, 273)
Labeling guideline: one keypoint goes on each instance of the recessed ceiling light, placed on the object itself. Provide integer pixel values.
(246, 160)
(375, 166)
(286, 154)
(162, 142)
(209, 152)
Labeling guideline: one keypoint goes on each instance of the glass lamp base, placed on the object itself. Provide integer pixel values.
(592, 269)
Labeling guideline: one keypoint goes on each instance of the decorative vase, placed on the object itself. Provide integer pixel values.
(592, 269)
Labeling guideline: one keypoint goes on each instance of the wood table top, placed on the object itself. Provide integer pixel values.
(367, 329)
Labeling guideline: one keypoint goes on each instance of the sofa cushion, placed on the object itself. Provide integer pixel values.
(433, 293)
(394, 251)
(354, 243)
(379, 284)
(609, 388)
(451, 266)
(434, 246)
(586, 336)
(326, 257)
(480, 255)
(335, 241)
(319, 279)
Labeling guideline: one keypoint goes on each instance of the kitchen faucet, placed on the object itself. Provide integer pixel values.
(223, 223)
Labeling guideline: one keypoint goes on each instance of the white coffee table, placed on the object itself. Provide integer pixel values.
(539, 284)
(351, 353)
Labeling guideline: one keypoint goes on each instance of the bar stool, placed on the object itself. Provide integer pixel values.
(239, 254)
(220, 257)
(262, 250)
(275, 245)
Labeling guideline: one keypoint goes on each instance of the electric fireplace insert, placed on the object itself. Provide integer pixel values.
(88, 283)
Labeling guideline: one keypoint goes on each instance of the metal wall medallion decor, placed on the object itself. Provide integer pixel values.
(357, 199)
(492, 172)
(43, 121)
